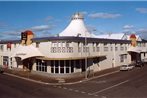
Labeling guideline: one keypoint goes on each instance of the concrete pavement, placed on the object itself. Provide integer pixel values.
(53, 81)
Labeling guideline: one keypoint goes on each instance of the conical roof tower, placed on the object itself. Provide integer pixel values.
(76, 27)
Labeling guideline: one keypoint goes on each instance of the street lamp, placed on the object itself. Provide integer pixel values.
(85, 56)
(85, 38)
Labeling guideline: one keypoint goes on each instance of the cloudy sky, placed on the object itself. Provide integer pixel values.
(49, 18)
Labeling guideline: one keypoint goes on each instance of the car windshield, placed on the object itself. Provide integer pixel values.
(124, 65)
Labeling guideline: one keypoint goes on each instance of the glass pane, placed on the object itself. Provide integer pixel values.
(52, 70)
(62, 70)
(56, 70)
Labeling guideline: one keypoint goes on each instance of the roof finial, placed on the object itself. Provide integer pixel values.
(77, 15)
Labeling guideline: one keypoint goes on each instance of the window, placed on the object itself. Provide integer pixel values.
(62, 66)
(14, 45)
(37, 44)
(111, 48)
(105, 47)
(67, 44)
(97, 49)
(121, 58)
(53, 49)
(125, 48)
(121, 48)
(63, 49)
(41, 65)
(58, 47)
(125, 56)
(5, 61)
(116, 48)
(87, 49)
(93, 49)
(2, 47)
(79, 47)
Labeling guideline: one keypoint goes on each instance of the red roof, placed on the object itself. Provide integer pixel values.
(132, 36)
(29, 32)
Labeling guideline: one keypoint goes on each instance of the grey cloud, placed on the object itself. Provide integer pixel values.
(48, 18)
(104, 15)
(142, 10)
(128, 27)
(84, 12)
(41, 28)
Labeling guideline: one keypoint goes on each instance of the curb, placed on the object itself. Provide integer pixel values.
(45, 83)
(32, 80)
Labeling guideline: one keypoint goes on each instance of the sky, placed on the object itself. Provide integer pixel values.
(49, 18)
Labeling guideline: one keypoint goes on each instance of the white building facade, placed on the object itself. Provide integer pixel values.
(73, 54)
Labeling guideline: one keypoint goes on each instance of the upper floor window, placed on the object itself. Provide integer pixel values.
(116, 48)
(105, 47)
(97, 49)
(2, 47)
(111, 48)
(121, 48)
(37, 44)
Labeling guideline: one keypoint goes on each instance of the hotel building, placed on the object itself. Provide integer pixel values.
(73, 52)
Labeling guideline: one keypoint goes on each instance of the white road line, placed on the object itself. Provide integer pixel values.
(76, 90)
(90, 94)
(99, 76)
(70, 89)
(110, 87)
(59, 87)
(64, 88)
(83, 92)
(55, 86)
(95, 95)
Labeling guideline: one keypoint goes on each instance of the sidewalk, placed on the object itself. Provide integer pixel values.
(45, 79)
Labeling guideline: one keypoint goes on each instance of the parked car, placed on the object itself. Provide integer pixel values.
(126, 67)
(1, 69)
(139, 64)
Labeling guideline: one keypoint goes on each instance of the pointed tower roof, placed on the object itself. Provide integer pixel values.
(76, 27)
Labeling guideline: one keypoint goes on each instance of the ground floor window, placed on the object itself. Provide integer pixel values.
(62, 66)
(123, 57)
(41, 65)
(5, 61)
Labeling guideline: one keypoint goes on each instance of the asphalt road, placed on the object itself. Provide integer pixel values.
(126, 84)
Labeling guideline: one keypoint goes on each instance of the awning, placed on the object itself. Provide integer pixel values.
(25, 52)
(69, 58)
(135, 49)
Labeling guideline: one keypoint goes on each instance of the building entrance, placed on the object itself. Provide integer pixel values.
(135, 57)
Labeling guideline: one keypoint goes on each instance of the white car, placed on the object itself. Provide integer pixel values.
(126, 67)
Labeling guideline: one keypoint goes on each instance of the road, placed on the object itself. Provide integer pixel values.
(126, 84)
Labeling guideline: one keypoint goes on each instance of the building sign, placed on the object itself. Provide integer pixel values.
(21, 54)
(133, 40)
(26, 37)
(9, 45)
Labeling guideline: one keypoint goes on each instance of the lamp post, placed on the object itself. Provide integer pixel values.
(85, 56)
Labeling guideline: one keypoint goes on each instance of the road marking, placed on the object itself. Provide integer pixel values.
(83, 92)
(64, 88)
(111, 87)
(70, 89)
(59, 87)
(90, 94)
(76, 90)
(99, 76)
(95, 95)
